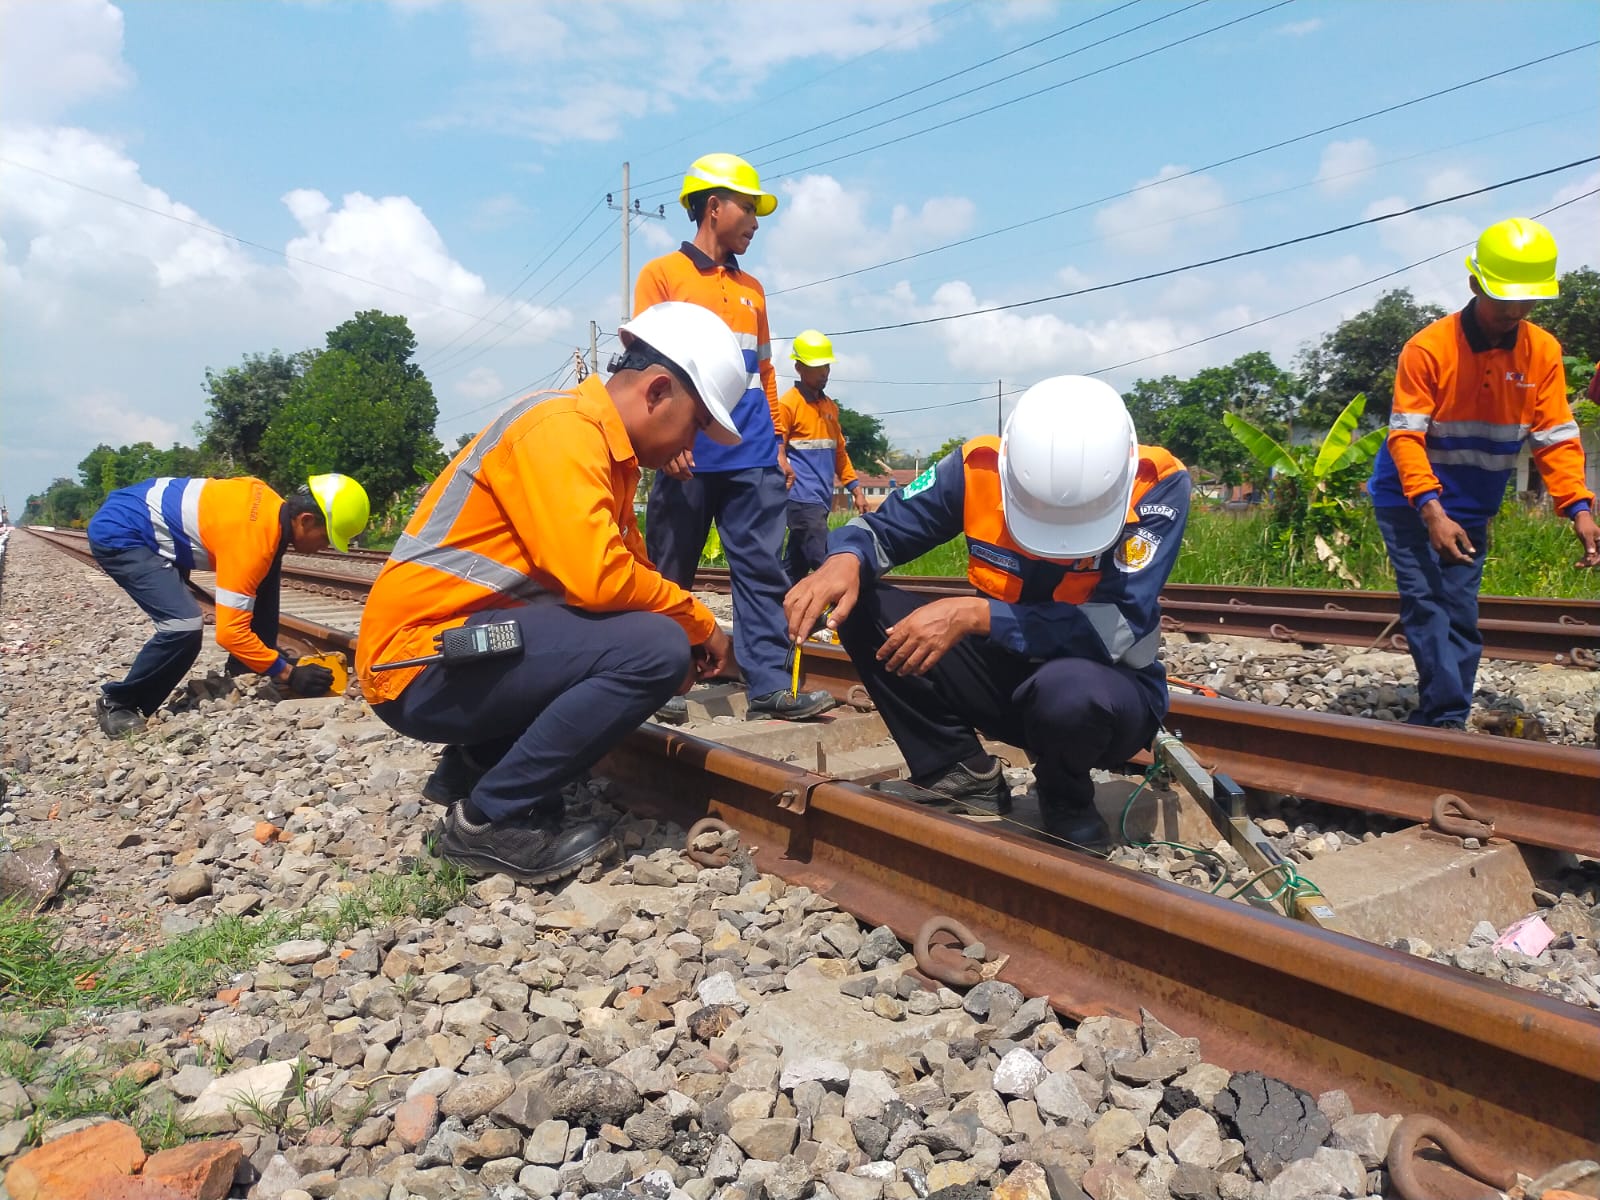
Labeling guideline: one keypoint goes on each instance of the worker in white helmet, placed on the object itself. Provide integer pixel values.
(1072, 528)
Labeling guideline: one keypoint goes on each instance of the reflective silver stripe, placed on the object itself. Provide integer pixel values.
(1556, 433)
(236, 600)
(468, 565)
(427, 546)
(1480, 429)
(763, 353)
(1413, 422)
(181, 625)
(191, 524)
(748, 341)
(1117, 636)
(1473, 458)
(158, 523)
(812, 444)
(884, 561)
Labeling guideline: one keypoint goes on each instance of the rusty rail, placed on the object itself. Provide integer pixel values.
(1515, 1072)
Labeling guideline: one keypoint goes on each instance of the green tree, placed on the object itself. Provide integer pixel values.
(1186, 416)
(1359, 356)
(946, 447)
(240, 405)
(64, 503)
(1574, 315)
(864, 439)
(361, 407)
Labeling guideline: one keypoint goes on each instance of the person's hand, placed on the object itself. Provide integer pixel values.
(783, 465)
(916, 644)
(1449, 541)
(1589, 537)
(681, 465)
(713, 658)
(855, 498)
(310, 680)
(836, 584)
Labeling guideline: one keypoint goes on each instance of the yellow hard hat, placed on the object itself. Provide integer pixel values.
(727, 171)
(812, 348)
(344, 507)
(1516, 260)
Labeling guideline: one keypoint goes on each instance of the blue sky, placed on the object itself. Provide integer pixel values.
(422, 157)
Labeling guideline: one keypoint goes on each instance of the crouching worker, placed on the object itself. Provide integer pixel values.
(533, 524)
(148, 538)
(1072, 528)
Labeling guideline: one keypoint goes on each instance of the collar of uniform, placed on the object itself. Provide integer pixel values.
(592, 392)
(702, 260)
(1478, 341)
(820, 396)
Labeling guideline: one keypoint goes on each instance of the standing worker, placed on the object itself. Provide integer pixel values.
(148, 538)
(1072, 528)
(1469, 390)
(808, 426)
(529, 536)
(740, 487)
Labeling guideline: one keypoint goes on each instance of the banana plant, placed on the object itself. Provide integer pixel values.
(1317, 490)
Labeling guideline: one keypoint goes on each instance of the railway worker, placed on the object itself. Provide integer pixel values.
(1072, 528)
(740, 487)
(808, 426)
(148, 538)
(1469, 390)
(533, 523)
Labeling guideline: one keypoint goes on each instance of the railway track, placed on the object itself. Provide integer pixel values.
(1516, 1074)
(1563, 632)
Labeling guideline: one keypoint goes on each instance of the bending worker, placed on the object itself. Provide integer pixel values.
(533, 523)
(740, 487)
(148, 538)
(808, 425)
(1470, 389)
(1072, 528)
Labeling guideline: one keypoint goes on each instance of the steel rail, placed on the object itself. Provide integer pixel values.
(1535, 793)
(1516, 1073)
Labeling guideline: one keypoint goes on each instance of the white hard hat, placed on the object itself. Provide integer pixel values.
(704, 349)
(1068, 457)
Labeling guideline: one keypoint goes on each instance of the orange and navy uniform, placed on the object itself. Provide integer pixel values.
(538, 508)
(1105, 607)
(1463, 406)
(737, 297)
(811, 432)
(231, 526)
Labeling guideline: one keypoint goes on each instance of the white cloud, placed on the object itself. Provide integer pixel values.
(114, 420)
(1300, 28)
(480, 383)
(1146, 220)
(1343, 164)
(738, 49)
(57, 53)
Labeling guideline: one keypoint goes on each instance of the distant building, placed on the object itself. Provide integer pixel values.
(873, 490)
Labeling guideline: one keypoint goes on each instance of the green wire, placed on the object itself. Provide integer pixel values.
(1294, 882)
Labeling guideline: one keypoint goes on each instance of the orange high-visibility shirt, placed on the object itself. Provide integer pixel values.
(538, 508)
(811, 431)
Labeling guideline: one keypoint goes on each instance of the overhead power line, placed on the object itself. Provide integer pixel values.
(1187, 173)
(1211, 262)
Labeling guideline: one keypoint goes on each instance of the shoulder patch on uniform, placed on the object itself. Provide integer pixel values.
(1158, 510)
(920, 484)
(1137, 551)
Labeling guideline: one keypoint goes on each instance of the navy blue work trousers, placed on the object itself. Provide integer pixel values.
(1438, 614)
(583, 681)
(808, 539)
(160, 589)
(1069, 714)
(748, 507)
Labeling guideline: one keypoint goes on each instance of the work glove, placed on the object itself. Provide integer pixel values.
(310, 680)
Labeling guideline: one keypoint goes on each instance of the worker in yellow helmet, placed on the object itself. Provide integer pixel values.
(1470, 390)
(148, 538)
(808, 423)
(741, 487)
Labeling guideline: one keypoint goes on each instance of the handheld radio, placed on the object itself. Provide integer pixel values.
(467, 643)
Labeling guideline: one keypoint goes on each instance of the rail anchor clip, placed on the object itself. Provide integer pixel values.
(1474, 1177)
(941, 950)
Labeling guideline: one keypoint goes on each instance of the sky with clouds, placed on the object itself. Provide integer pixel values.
(185, 183)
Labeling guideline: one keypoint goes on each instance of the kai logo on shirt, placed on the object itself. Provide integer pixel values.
(920, 484)
(1137, 551)
(1518, 378)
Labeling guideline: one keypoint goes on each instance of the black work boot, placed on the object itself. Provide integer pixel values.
(454, 777)
(1073, 820)
(116, 719)
(674, 712)
(535, 849)
(789, 706)
(983, 792)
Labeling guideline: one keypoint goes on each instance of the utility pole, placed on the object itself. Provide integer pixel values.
(630, 209)
(594, 348)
